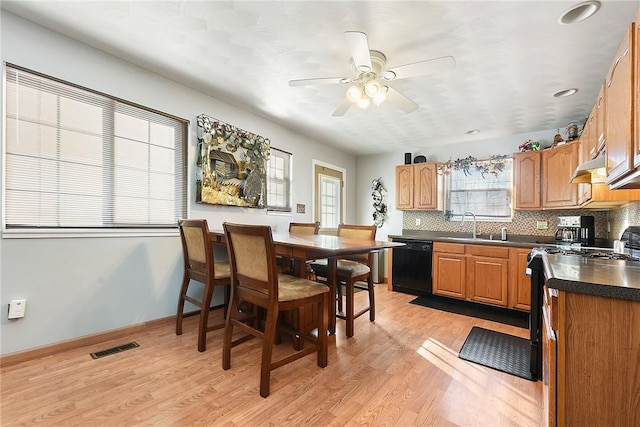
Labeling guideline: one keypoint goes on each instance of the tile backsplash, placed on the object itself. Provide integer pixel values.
(524, 222)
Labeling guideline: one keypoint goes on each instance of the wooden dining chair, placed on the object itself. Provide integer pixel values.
(304, 227)
(350, 271)
(200, 267)
(255, 280)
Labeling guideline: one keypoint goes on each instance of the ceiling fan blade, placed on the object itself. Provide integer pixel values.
(342, 108)
(401, 101)
(421, 68)
(321, 81)
(359, 48)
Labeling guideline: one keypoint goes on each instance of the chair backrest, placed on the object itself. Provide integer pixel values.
(197, 249)
(304, 227)
(359, 232)
(252, 259)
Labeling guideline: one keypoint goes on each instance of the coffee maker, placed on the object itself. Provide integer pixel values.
(576, 229)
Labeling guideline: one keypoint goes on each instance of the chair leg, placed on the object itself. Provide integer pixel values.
(180, 311)
(339, 296)
(228, 334)
(204, 317)
(323, 326)
(270, 329)
(350, 308)
(372, 300)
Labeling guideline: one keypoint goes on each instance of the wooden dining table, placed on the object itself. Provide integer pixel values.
(318, 246)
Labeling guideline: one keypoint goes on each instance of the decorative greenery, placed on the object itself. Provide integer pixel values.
(494, 165)
(379, 208)
(530, 145)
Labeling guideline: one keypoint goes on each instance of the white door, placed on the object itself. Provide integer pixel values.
(329, 184)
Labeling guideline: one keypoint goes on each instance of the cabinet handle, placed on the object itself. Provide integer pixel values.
(616, 66)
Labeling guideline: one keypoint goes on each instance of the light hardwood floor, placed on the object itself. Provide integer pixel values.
(402, 370)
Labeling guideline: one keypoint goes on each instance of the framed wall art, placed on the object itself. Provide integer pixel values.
(231, 165)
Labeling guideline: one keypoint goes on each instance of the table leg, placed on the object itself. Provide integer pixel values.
(332, 282)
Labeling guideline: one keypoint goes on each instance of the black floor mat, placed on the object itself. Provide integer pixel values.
(506, 353)
(495, 314)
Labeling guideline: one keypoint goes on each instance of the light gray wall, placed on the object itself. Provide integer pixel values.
(82, 286)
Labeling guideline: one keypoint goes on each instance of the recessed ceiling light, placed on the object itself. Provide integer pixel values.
(579, 12)
(566, 92)
(472, 131)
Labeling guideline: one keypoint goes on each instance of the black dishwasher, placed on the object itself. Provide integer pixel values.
(411, 267)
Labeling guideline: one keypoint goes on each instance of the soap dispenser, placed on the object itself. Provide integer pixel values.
(503, 233)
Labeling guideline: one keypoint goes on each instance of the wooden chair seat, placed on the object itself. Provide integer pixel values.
(350, 271)
(255, 280)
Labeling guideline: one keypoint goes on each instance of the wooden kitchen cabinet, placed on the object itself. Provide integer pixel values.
(598, 352)
(585, 143)
(449, 277)
(600, 113)
(558, 164)
(549, 357)
(527, 168)
(619, 107)
(519, 293)
(404, 187)
(419, 187)
(487, 274)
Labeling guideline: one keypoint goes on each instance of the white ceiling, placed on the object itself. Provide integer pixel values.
(511, 56)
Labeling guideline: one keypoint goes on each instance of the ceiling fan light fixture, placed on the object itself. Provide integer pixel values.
(363, 102)
(579, 12)
(354, 93)
(381, 95)
(371, 88)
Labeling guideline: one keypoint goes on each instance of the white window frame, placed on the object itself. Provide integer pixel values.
(476, 188)
(279, 180)
(108, 226)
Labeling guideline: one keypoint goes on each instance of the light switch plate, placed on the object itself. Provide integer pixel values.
(542, 225)
(17, 308)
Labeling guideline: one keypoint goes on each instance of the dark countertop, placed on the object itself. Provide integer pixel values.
(484, 239)
(518, 241)
(593, 276)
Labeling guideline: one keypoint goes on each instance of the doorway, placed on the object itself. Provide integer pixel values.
(328, 196)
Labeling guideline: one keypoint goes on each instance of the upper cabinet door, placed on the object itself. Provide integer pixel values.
(601, 116)
(404, 187)
(619, 107)
(527, 179)
(558, 164)
(426, 190)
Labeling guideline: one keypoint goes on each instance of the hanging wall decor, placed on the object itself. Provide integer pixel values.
(231, 165)
(379, 208)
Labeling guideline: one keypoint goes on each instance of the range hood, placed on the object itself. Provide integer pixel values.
(591, 171)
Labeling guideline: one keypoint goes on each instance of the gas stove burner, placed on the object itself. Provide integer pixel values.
(591, 253)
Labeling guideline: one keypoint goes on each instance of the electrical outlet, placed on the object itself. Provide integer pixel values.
(418, 221)
(542, 225)
(17, 308)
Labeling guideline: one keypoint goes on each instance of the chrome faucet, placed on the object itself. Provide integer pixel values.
(475, 232)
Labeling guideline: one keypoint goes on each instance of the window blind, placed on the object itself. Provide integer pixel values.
(76, 158)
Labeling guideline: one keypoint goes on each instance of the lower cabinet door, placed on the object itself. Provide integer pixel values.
(449, 275)
(488, 280)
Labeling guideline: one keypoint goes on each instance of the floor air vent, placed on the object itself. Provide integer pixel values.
(114, 350)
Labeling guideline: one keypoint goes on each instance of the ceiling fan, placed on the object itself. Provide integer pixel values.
(369, 84)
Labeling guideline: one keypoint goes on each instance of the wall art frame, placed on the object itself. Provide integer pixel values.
(231, 165)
